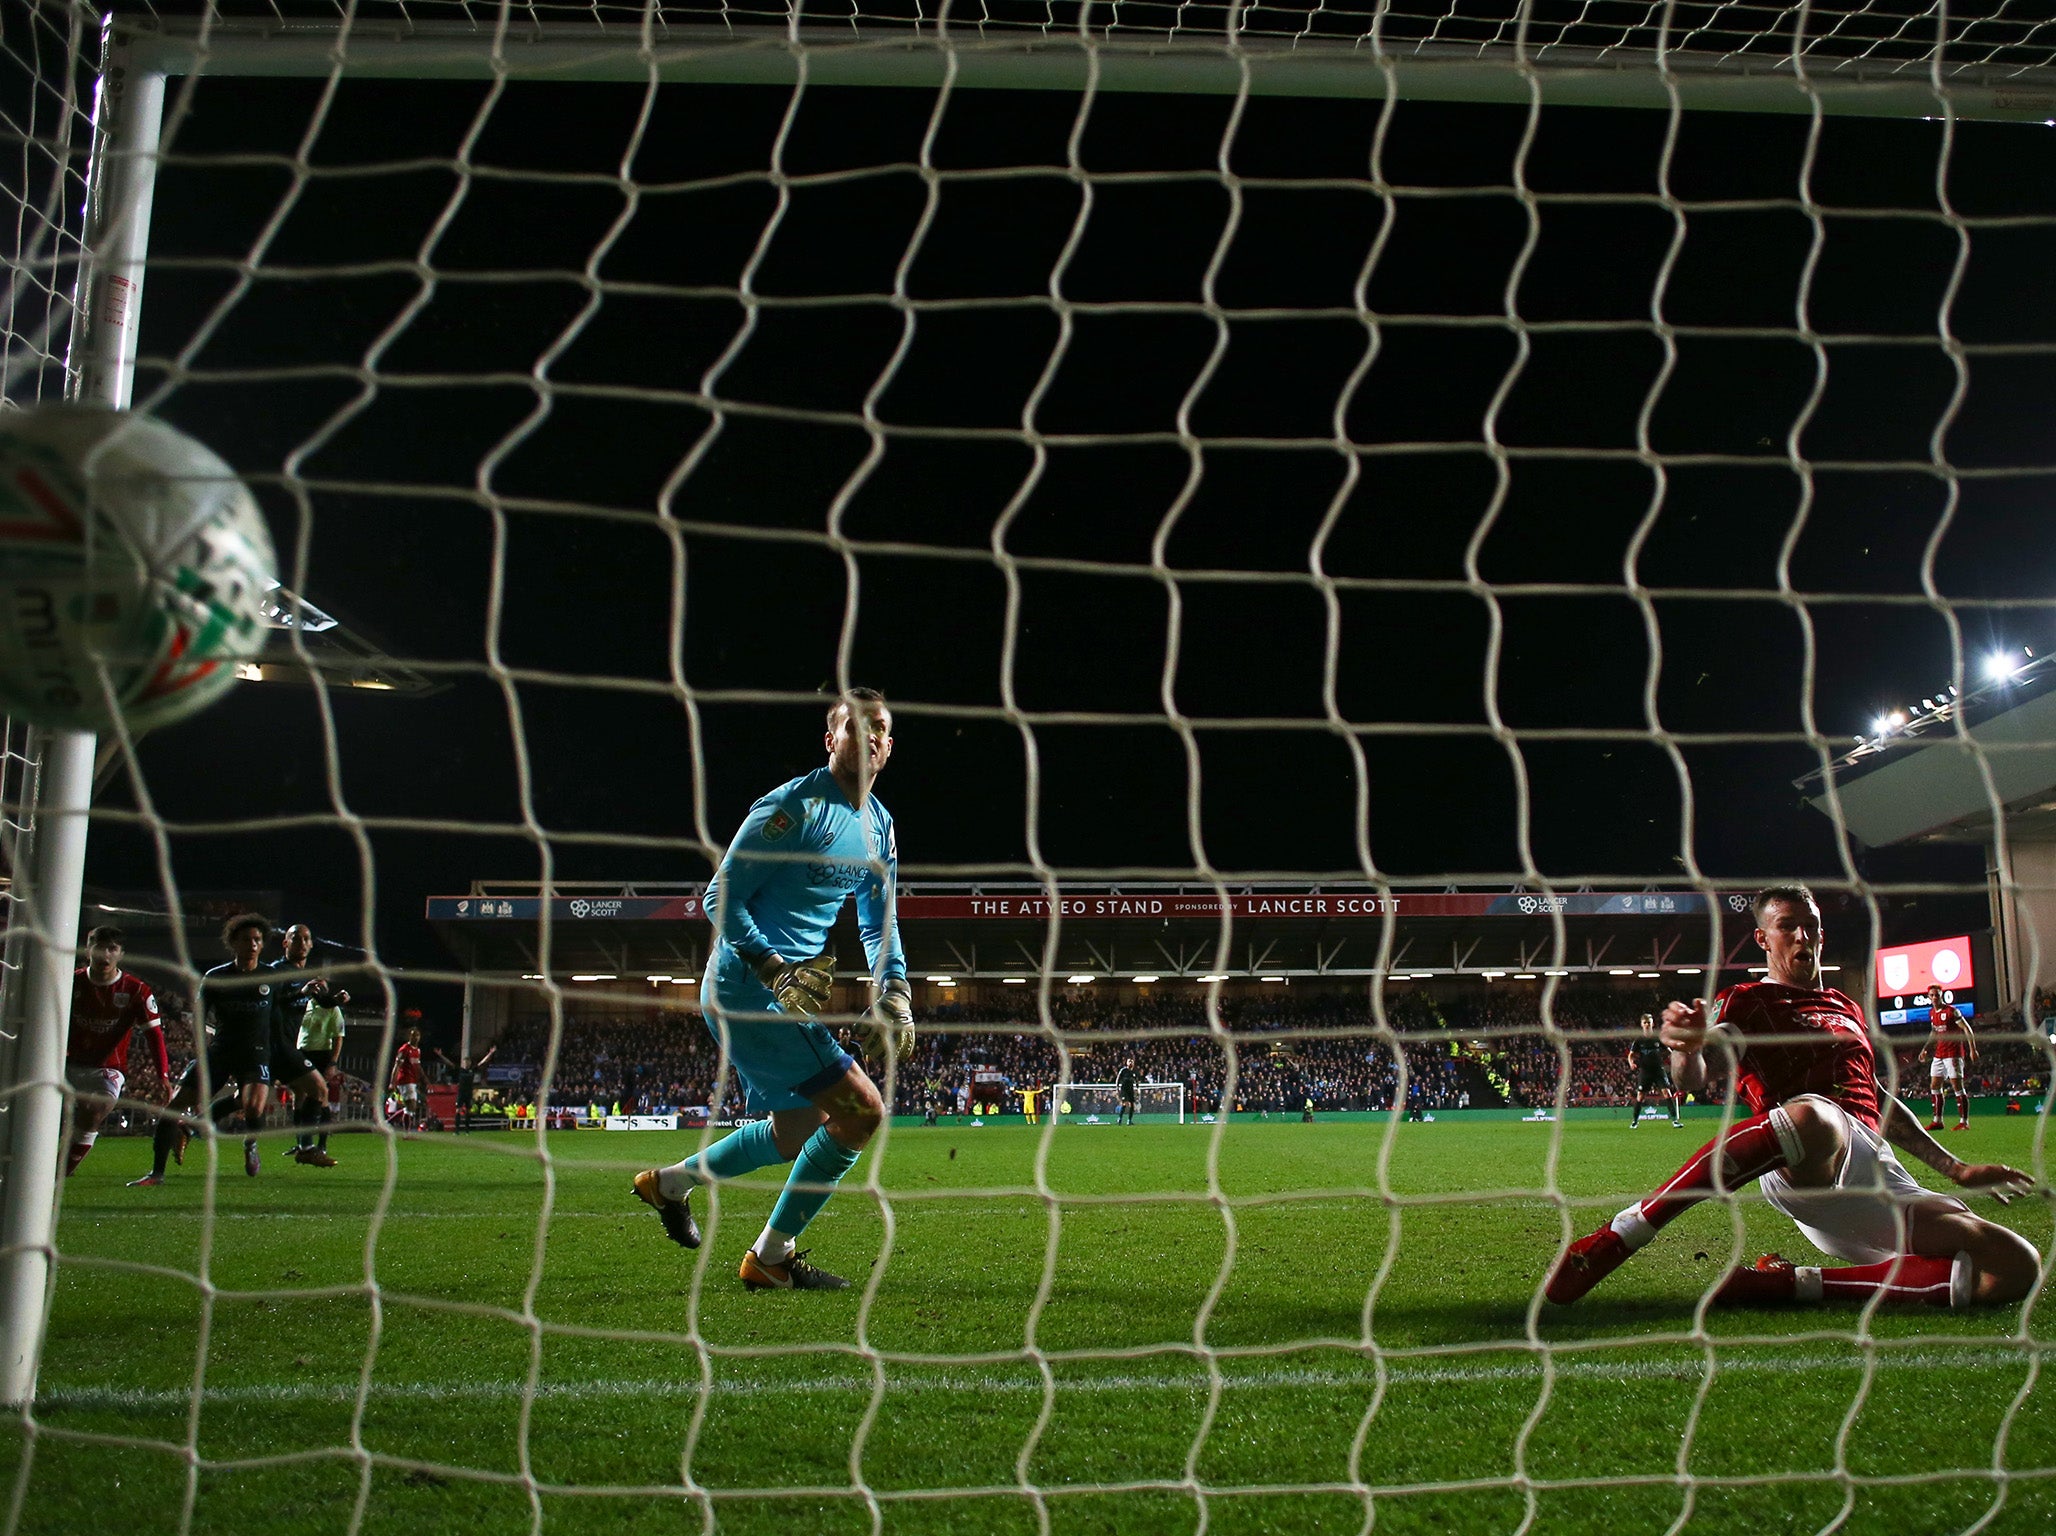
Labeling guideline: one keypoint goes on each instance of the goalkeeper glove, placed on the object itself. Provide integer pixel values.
(799, 986)
(892, 1022)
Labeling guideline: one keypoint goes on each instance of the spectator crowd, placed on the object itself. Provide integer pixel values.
(1430, 1053)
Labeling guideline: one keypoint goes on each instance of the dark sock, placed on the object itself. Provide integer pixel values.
(161, 1142)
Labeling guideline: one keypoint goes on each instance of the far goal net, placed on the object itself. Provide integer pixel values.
(1101, 1103)
(1362, 514)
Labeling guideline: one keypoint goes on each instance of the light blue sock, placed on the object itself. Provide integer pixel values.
(741, 1151)
(822, 1162)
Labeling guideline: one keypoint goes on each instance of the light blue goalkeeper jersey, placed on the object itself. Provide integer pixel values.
(802, 850)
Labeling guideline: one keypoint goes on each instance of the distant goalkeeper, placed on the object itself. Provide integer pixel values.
(1652, 1074)
(1126, 1084)
(802, 850)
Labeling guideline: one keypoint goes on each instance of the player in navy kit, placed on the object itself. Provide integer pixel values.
(803, 850)
(239, 1007)
(1819, 1137)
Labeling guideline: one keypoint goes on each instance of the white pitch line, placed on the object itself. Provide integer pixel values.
(1026, 1381)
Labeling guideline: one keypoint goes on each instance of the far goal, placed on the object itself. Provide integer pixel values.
(1100, 1104)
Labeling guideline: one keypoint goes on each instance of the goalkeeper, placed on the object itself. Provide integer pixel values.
(802, 850)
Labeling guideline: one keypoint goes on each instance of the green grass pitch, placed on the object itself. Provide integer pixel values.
(534, 1351)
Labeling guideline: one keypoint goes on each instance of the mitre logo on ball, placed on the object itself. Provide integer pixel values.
(135, 568)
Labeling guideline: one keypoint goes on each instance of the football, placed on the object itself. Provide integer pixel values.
(134, 567)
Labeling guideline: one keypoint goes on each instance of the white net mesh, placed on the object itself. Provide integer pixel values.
(1230, 487)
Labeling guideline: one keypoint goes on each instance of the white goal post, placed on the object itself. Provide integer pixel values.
(1100, 1103)
(1646, 65)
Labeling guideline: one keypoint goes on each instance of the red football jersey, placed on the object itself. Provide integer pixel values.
(1949, 1041)
(102, 1019)
(407, 1064)
(1827, 1050)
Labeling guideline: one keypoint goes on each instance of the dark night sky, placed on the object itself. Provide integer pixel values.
(588, 593)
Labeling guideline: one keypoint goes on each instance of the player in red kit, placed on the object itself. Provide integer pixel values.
(108, 1005)
(1954, 1048)
(407, 1079)
(1819, 1136)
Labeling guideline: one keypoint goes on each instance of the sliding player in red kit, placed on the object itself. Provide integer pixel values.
(1817, 1137)
(107, 1006)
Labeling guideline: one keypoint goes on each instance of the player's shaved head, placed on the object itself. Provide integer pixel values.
(1797, 895)
(866, 696)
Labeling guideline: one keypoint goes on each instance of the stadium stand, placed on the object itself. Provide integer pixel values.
(1480, 1051)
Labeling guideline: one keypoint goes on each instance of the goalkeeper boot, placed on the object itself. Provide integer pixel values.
(795, 1274)
(250, 1160)
(147, 1181)
(1770, 1282)
(1584, 1264)
(313, 1157)
(676, 1215)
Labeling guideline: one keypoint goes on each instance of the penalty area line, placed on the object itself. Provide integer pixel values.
(1023, 1380)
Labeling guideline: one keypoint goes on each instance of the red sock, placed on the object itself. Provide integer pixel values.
(1909, 1277)
(1749, 1151)
(1941, 1103)
(75, 1155)
(1962, 1109)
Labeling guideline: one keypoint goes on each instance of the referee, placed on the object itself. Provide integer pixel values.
(303, 990)
(467, 1072)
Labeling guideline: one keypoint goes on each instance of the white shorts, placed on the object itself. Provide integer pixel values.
(1946, 1069)
(1858, 1218)
(407, 1093)
(96, 1082)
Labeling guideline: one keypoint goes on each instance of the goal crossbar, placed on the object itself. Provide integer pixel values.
(930, 56)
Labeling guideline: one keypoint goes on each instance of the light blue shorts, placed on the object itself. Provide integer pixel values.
(782, 1061)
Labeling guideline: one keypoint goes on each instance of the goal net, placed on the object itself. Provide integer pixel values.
(1362, 514)
(1100, 1103)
